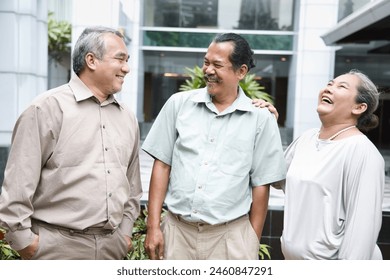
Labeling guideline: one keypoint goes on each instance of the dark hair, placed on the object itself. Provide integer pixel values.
(91, 40)
(367, 93)
(242, 53)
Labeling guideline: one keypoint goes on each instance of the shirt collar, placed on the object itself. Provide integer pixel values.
(241, 103)
(81, 92)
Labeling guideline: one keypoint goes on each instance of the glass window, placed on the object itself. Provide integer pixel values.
(220, 14)
(202, 40)
(165, 69)
(376, 66)
(347, 7)
(165, 72)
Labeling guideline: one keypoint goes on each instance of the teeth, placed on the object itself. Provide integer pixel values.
(327, 100)
(211, 79)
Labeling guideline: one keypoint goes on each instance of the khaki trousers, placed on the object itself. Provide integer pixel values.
(62, 244)
(235, 240)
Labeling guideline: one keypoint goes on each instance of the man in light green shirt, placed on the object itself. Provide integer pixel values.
(215, 157)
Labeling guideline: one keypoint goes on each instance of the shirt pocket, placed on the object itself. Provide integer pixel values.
(123, 152)
(236, 158)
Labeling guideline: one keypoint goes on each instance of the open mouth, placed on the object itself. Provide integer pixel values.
(326, 100)
(211, 79)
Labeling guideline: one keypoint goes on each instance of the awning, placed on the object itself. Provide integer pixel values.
(370, 23)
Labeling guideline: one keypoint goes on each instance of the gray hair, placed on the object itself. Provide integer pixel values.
(91, 40)
(367, 93)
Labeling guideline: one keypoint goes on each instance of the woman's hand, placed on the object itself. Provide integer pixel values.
(264, 104)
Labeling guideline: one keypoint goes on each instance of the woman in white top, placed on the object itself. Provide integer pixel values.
(335, 180)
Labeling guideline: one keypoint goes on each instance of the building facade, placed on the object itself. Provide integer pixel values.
(298, 47)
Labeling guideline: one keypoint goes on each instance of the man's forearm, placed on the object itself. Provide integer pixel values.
(259, 208)
(157, 191)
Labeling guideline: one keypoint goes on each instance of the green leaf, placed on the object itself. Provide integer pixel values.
(249, 84)
(264, 251)
(59, 37)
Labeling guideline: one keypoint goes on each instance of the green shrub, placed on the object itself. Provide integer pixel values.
(138, 238)
(59, 37)
(249, 85)
(139, 234)
(6, 252)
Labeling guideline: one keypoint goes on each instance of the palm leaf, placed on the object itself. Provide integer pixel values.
(249, 84)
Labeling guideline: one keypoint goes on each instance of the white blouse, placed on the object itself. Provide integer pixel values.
(333, 198)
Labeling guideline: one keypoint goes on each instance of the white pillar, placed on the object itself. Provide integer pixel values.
(313, 63)
(23, 56)
(132, 92)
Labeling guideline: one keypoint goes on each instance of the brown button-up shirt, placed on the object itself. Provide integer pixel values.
(74, 162)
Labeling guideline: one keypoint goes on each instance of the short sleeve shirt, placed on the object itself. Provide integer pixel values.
(215, 157)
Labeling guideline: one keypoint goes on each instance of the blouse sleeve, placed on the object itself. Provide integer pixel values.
(288, 156)
(363, 195)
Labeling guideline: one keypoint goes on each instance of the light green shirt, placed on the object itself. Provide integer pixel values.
(215, 158)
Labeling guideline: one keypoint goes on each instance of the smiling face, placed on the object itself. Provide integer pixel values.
(220, 76)
(336, 102)
(111, 70)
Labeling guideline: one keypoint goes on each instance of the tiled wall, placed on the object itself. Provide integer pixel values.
(384, 236)
(271, 233)
(274, 225)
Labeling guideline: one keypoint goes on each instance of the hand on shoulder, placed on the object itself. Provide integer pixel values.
(264, 104)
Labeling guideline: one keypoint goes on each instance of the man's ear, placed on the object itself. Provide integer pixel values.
(359, 109)
(90, 61)
(242, 71)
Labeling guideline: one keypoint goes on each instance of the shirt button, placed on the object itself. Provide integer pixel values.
(212, 140)
(103, 126)
(200, 187)
(108, 171)
(106, 149)
(110, 194)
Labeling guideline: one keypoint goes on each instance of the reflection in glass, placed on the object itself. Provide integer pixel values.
(256, 14)
(185, 13)
(202, 40)
(347, 7)
(220, 14)
(165, 72)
